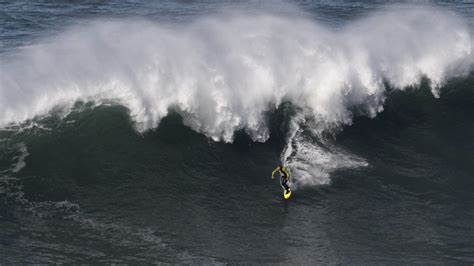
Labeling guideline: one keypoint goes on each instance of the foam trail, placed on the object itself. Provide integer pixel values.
(223, 73)
(20, 159)
(312, 157)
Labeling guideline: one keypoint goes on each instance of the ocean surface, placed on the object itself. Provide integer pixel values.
(147, 131)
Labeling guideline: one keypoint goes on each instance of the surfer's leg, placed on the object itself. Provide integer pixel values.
(284, 184)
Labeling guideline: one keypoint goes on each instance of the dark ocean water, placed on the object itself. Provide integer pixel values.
(85, 183)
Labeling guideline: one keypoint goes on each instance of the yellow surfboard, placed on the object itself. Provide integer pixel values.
(286, 195)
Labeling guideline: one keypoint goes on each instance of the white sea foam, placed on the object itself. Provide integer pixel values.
(312, 157)
(222, 73)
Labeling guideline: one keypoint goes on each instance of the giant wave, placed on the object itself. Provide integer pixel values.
(225, 73)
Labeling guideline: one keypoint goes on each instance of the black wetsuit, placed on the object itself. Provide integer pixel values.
(284, 180)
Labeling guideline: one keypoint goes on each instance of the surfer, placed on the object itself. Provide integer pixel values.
(284, 177)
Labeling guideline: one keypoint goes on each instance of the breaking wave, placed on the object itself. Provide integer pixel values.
(226, 73)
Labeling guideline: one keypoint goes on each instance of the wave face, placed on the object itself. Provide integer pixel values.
(172, 194)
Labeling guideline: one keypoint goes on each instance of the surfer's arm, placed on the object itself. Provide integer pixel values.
(274, 171)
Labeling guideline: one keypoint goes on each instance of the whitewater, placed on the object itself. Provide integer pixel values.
(226, 73)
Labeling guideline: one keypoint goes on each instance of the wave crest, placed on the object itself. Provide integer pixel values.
(223, 73)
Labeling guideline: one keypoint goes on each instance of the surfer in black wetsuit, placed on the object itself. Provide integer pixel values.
(284, 177)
